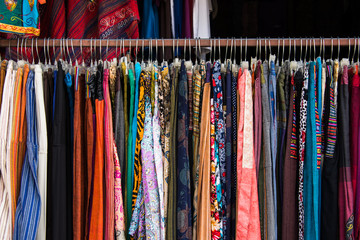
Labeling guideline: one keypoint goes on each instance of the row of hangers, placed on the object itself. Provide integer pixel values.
(64, 53)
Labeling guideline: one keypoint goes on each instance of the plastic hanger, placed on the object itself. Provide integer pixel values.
(142, 55)
(37, 50)
(293, 64)
(81, 53)
(253, 60)
(353, 56)
(241, 51)
(283, 52)
(136, 50)
(245, 63)
(332, 48)
(306, 48)
(210, 50)
(32, 51)
(358, 51)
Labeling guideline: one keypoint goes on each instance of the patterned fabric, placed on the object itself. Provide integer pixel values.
(158, 160)
(189, 74)
(119, 208)
(137, 225)
(220, 142)
(20, 17)
(195, 143)
(302, 139)
(234, 149)
(139, 136)
(183, 203)
(17, 145)
(164, 105)
(28, 206)
(229, 167)
(149, 178)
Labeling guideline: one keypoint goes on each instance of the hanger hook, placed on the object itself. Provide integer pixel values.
(37, 50)
(358, 50)
(142, 51)
(32, 50)
(283, 51)
(260, 48)
(231, 48)
(289, 49)
(349, 49)
(353, 56)
(265, 48)
(189, 49)
(257, 48)
(235, 51)
(245, 48)
(107, 50)
(241, 50)
(269, 42)
(156, 48)
(136, 49)
(294, 49)
(21, 48)
(338, 48)
(214, 50)
(48, 49)
(226, 48)
(185, 48)
(301, 49)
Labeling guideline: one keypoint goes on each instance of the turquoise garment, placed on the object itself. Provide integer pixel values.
(132, 133)
(136, 103)
(20, 17)
(311, 200)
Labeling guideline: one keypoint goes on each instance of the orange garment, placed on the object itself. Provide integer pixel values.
(79, 160)
(247, 219)
(18, 136)
(203, 205)
(96, 230)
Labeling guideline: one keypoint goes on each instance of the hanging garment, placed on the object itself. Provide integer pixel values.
(247, 221)
(257, 116)
(20, 17)
(119, 207)
(60, 168)
(164, 105)
(171, 224)
(183, 202)
(89, 129)
(289, 208)
(29, 202)
(158, 156)
(109, 160)
(5, 120)
(201, 18)
(329, 178)
(150, 20)
(273, 138)
(2, 78)
(203, 231)
(79, 160)
(53, 23)
(346, 198)
(311, 183)
(119, 126)
(234, 149)
(42, 153)
(96, 227)
(18, 135)
(266, 183)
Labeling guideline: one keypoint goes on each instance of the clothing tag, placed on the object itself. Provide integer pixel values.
(253, 63)
(293, 66)
(188, 65)
(344, 62)
(176, 62)
(272, 57)
(245, 65)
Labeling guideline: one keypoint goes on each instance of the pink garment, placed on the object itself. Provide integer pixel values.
(119, 207)
(109, 161)
(247, 219)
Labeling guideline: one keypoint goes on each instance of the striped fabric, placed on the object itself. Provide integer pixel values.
(117, 19)
(16, 162)
(332, 124)
(293, 144)
(28, 206)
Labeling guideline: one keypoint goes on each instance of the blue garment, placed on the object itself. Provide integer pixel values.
(311, 228)
(229, 150)
(273, 133)
(150, 20)
(178, 17)
(183, 191)
(27, 214)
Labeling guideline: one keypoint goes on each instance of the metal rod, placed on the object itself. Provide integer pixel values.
(251, 42)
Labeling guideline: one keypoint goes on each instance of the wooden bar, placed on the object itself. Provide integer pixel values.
(250, 42)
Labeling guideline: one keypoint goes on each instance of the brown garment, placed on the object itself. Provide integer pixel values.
(203, 218)
(2, 78)
(90, 145)
(79, 161)
(289, 210)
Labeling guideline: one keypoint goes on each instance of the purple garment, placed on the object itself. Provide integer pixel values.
(187, 26)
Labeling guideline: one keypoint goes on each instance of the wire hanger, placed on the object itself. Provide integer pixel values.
(338, 56)
(306, 49)
(32, 51)
(283, 52)
(353, 56)
(37, 50)
(301, 49)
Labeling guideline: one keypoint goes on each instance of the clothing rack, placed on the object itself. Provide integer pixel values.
(222, 42)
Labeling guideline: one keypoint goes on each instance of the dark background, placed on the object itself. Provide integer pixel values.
(286, 18)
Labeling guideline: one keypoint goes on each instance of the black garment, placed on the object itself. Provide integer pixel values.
(329, 179)
(59, 212)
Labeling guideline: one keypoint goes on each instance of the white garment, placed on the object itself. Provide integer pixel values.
(201, 18)
(5, 120)
(172, 17)
(42, 149)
